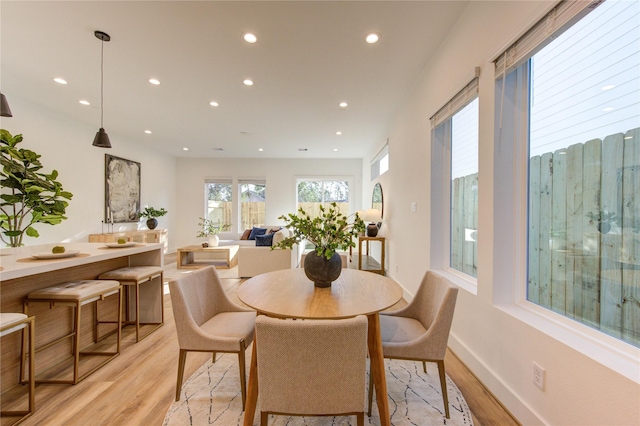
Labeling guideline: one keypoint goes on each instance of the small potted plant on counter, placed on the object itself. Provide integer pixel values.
(151, 214)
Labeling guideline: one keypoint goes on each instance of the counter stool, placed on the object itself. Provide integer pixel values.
(133, 276)
(76, 294)
(9, 323)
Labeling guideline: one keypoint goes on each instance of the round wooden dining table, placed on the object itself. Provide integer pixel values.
(288, 293)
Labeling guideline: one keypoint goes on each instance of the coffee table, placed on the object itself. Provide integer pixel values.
(288, 293)
(223, 257)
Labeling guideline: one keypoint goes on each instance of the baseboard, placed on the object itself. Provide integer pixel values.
(502, 392)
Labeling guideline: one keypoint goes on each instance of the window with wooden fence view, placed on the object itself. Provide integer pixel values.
(584, 173)
(313, 193)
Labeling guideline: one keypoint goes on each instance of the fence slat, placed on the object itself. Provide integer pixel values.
(544, 229)
(533, 285)
(468, 210)
(610, 271)
(630, 250)
(592, 167)
(558, 237)
(457, 198)
(575, 215)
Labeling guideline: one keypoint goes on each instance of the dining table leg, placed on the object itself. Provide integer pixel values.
(376, 369)
(252, 389)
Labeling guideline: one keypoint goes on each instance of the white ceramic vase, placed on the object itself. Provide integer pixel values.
(214, 240)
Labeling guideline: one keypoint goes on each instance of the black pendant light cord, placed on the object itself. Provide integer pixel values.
(101, 82)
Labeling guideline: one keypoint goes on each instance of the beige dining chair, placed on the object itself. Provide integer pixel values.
(311, 367)
(420, 330)
(208, 321)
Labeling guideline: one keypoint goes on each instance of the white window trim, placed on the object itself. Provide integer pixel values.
(510, 239)
(349, 179)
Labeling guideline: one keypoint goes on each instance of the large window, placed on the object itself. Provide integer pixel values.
(313, 193)
(582, 103)
(455, 131)
(219, 200)
(252, 202)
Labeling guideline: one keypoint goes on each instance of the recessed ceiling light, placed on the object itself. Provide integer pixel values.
(213, 103)
(248, 82)
(250, 38)
(83, 102)
(343, 104)
(608, 87)
(628, 137)
(335, 149)
(607, 109)
(60, 80)
(148, 132)
(338, 133)
(372, 38)
(154, 81)
(185, 149)
(260, 149)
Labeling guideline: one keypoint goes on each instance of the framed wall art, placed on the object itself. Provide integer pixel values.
(122, 189)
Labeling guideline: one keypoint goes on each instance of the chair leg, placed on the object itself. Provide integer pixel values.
(264, 418)
(181, 361)
(360, 419)
(443, 385)
(213, 357)
(424, 366)
(137, 312)
(243, 378)
(370, 395)
(32, 365)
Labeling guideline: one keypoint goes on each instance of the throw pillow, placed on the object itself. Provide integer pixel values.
(245, 234)
(278, 236)
(264, 240)
(257, 231)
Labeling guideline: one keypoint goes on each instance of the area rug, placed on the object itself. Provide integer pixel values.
(211, 396)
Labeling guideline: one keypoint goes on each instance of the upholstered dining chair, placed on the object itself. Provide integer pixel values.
(311, 367)
(420, 330)
(208, 321)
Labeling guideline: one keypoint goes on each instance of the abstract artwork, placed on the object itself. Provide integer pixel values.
(122, 189)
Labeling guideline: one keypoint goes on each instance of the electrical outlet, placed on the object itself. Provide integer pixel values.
(538, 376)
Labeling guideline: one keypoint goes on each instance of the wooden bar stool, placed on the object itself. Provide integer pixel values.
(10, 323)
(133, 276)
(76, 294)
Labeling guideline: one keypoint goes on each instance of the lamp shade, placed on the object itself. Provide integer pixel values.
(372, 216)
(5, 111)
(102, 139)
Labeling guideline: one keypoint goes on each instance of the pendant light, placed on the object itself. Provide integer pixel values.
(102, 139)
(5, 111)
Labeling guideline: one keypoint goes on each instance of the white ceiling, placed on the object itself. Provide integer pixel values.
(310, 56)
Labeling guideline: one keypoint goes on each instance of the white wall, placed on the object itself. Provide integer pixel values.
(65, 145)
(498, 345)
(280, 175)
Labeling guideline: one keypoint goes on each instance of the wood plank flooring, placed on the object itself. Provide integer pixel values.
(137, 387)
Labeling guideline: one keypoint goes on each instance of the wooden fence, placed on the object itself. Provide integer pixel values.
(251, 213)
(575, 267)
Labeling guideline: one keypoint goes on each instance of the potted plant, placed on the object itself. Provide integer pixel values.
(29, 195)
(151, 214)
(210, 229)
(328, 232)
(603, 219)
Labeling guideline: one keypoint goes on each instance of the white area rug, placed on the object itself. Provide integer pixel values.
(211, 396)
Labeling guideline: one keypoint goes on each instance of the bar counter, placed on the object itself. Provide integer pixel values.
(20, 274)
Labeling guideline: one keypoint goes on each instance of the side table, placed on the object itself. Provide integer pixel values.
(368, 240)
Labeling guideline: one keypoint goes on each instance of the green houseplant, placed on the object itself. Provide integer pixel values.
(29, 196)
(210, 229)
(328, 232)
(151, 214)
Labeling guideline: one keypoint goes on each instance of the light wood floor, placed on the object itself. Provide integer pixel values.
(137, 387)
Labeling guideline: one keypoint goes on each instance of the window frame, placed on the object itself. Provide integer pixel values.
(349, 179)
(249, 181)
(510, 227)
(441, 160)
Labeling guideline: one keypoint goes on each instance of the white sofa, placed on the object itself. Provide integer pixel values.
(255, 260)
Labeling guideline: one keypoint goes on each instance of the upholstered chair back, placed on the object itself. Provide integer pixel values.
(311, 366)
